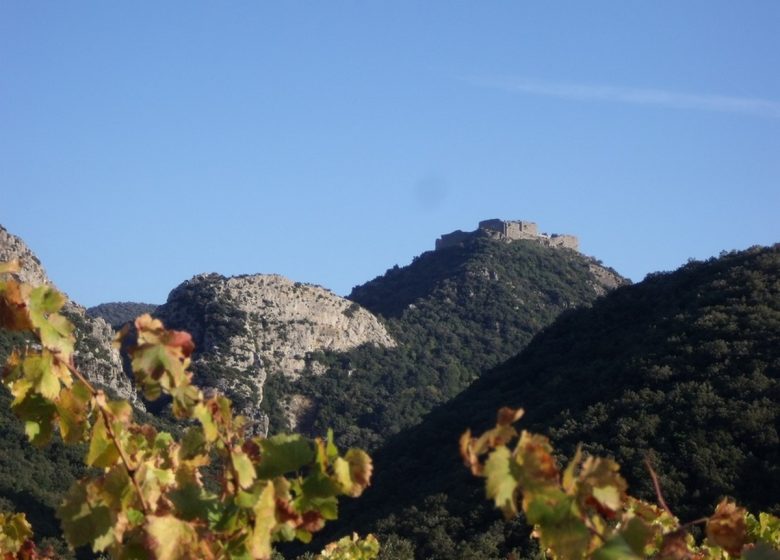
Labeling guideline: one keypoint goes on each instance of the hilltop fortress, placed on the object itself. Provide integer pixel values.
(509, 231)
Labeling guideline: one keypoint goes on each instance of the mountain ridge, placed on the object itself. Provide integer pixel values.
(683, 367)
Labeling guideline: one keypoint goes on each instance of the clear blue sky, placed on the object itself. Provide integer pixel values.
(144, 142)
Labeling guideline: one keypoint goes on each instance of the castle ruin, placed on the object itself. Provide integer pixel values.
(508, 231)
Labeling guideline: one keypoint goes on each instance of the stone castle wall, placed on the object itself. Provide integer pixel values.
(508, 231)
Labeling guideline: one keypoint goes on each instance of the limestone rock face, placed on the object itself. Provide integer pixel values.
(604, 279)
(12, 247)
(248, 327)
(95, 355)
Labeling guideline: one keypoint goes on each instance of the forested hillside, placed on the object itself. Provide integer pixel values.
(117, 313)
(683, 368)
(454, 313)
(471, 305)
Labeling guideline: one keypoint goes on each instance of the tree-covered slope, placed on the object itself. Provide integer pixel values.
(683, 367)
(117, 313)
(454, 313)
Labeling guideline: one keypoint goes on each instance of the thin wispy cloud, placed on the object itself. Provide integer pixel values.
(638, 96)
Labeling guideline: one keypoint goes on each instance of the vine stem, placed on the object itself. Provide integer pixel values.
(594, 531)
(111, 435)
(694, 522)
(658, 494)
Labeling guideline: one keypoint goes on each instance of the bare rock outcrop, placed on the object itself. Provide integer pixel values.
(95, 355)
(248, 327)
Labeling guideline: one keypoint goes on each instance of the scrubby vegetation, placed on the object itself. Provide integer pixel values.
(454, 313)
(683, 368)
(117, 313)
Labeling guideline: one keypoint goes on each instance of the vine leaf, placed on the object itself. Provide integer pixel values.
(102, 451)
(72, 409)
(265, 520)
(84, 521)
(38, 416)
(172, 538)
(501, 481)
(284, 453)
(726, 527)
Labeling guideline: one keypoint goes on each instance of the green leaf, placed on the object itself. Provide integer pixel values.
(616, 548)
(225, 520)
(568, 538)
(194, 449)
(283, 454)
(761, 551)
(318, 485)
(192, 501)
(82, 522)
(134, 516)
(38, 416)
(637, 534)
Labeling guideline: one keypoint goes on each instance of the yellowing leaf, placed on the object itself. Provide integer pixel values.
(171, 538)
(353, 472)
(56, 334)
(10, 266)
(14, 532)
(102, 451)
(14, 313)
(72, 408)
(727, 529)
(351, 548)
(46, 299)
(501, 481)
(508, 416)
(538, 468)
(569, 481)
(467, 452)
(360, 469)
(243, 467)
(204, 416)
(265, 521)
(601, 486)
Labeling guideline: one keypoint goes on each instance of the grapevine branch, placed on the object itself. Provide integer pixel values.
(111, 434)
(658, 494)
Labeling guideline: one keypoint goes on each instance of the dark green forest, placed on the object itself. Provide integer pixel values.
(454, 313)
(118, 313)
(683, 368)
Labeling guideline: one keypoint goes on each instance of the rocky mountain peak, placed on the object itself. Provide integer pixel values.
(95, 355)
(12, 247)
(273, 319)
(248, 327)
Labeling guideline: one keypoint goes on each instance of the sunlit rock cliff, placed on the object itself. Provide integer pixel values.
(95, 355)
(249, 327)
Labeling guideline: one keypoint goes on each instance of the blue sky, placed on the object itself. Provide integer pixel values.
(142, 143)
